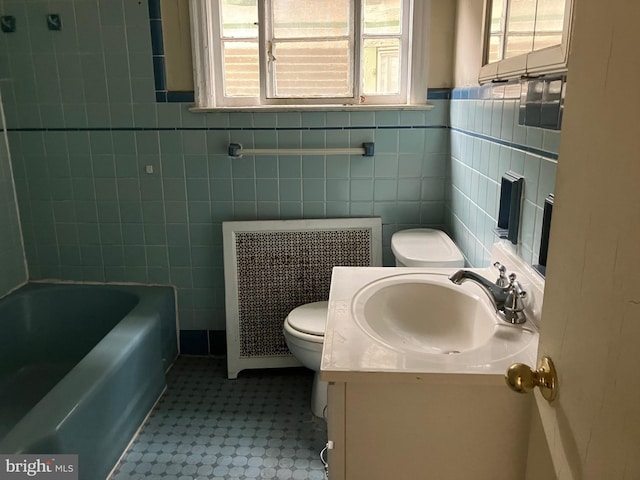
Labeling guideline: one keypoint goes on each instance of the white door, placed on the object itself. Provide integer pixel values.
(591, 313)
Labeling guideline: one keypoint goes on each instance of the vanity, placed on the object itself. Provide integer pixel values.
(416, 365)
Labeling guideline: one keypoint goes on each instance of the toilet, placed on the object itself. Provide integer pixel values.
(304, 327)
(304, 334)
(425, 247)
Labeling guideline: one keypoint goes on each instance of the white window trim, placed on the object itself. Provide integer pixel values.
(206, 56)
(538, 62)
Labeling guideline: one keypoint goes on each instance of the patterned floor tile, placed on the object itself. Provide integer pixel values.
(258, 426)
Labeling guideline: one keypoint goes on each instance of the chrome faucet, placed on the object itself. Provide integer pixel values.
(506, 294)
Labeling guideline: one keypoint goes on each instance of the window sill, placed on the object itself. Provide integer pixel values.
(311, 108)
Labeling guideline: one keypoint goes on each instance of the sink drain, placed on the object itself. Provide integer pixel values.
(451, 352)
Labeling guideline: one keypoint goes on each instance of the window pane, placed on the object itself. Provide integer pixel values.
(241, 71)
(518, 45)
(310, 18)
(494, 48)
(239, 18)
(522, 16)
(520, 27)
(312, 69)
(549, 23)
(382, 17)
(381, 66)
(497, 9)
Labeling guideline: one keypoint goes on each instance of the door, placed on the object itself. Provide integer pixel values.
(591, 313)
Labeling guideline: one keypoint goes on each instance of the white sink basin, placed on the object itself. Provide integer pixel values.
(425, 314)
(383, 321)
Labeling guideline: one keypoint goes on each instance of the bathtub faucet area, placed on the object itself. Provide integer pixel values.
(506, 295)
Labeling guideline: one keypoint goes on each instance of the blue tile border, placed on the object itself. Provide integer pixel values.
(541, 99)
(180, 97)
(439, 93)
(493, 91)
(154, 10)
(162, 94)
(194, 342)
(524, 148)
(225, 129)
(203, 342)
(217, 342)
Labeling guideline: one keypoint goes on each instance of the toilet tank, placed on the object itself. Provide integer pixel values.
(425, 247)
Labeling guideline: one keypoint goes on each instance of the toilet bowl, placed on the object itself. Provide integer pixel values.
(304, 327)
(304, 333)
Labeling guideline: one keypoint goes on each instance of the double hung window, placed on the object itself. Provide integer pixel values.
(301, 52)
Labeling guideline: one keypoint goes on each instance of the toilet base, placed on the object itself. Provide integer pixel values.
(319, 396)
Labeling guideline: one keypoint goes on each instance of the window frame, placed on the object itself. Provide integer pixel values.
(548, 60)
(207, 54)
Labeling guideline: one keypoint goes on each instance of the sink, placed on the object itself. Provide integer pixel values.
(425, 313)
(414, 321)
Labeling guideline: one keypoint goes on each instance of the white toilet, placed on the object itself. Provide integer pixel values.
(425, 247)
(305, 325)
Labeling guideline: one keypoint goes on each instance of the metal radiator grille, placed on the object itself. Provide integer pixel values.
(278, 271)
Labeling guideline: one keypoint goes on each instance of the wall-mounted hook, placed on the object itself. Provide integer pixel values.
(8, 23)
(54, 22)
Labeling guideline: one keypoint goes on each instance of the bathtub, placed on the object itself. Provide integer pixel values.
(80, 368)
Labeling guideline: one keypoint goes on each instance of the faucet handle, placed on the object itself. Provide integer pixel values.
(514, 304)
(516, 287)
(502, 280)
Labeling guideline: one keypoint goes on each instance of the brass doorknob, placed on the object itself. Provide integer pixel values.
(522, 379)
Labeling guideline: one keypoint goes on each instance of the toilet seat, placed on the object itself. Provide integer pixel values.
(309, 320)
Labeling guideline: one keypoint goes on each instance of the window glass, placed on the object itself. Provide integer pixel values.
(549, 23)
(239, 18)
(382, 17)
(312, 69)
(496, 31)
(241, 69)
(310, 18)
(381, 47)
(241, 73)
(520, 27)
(526, 37)
(517, 27)
(381, 66)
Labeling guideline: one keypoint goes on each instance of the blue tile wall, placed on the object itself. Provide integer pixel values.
(487, 140)
(12, 259)
(113, 186)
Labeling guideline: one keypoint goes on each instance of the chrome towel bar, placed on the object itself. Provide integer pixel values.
(236, 151)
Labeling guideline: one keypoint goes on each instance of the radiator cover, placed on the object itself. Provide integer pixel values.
(272, 267)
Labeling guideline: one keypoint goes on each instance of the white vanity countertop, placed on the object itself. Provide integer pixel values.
(351, 354)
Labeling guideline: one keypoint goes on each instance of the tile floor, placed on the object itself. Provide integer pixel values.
(207, 427)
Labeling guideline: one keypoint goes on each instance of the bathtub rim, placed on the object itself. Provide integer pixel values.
(49, 283)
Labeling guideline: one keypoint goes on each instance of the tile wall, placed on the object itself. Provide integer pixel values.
(113, 186)
(486, 141)
(12, 262)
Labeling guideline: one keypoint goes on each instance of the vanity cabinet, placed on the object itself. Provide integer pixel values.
(415, 426)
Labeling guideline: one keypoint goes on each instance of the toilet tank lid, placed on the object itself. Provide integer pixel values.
(425, 246)
(309, 318)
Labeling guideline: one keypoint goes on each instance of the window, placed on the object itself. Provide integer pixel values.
(525, 37)
(304, 52)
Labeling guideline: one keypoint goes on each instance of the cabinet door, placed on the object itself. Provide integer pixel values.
(412, 431)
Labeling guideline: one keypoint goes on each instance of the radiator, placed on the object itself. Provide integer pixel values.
(271, 267)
